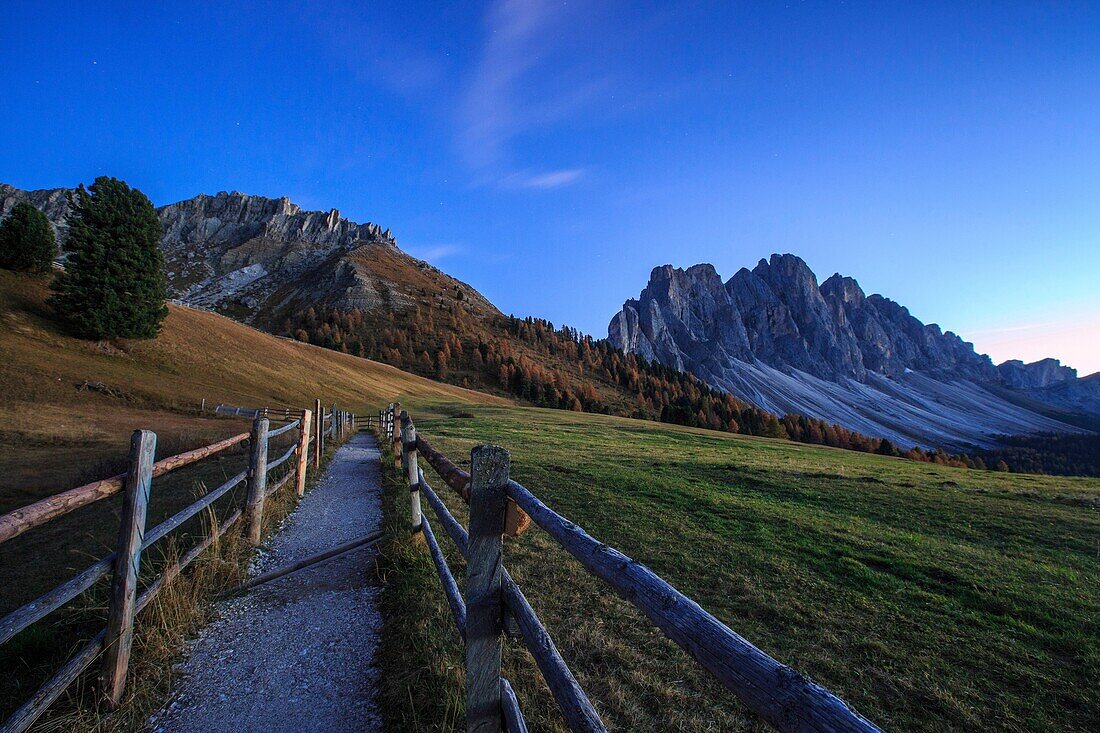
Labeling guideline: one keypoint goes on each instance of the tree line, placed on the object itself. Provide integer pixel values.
(559, 367)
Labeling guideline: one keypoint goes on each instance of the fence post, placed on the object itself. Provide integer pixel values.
(408, 449)
(303, 452)
(120, 616)
(319, 438)
(257, 480)
(489, 466)
(395, 435)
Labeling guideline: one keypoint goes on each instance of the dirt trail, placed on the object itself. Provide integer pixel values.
(296, 654)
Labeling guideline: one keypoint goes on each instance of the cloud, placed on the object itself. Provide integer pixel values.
(545, 180)
(435, 252)
(499, 101)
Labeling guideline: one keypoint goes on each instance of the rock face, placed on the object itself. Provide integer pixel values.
(54, 202)
(258, 259)
(776, 338)
(1036, 375)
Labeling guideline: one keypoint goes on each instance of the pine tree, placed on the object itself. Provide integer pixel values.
(113, 285)
(27, 242)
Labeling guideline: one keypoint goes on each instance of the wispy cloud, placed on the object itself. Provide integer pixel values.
(547, 180)
(497, 105)
(1071, 338)
(435, 252)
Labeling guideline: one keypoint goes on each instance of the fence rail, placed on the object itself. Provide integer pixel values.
(494, 605)
(113, 643)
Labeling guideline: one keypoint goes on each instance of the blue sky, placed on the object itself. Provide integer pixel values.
(550, 154)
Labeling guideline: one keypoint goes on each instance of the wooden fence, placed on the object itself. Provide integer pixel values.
(494, 606)
(113, 643)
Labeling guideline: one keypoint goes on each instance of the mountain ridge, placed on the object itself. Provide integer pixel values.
(774, 337)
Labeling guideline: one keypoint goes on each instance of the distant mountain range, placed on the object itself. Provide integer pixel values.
(774, 337)
(770, 336)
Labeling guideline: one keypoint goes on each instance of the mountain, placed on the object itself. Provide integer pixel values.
(775, 338)
(261, 259)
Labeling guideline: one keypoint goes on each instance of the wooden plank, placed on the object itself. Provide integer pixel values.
(283, 458)
(450, 587)
(284, 429)
(408, 451)
(303, 454)
(516, 521)
(189, 511)
(514, 721)
(574, 704)
(120, 614)
(451, 474)
(51, 600)
(294, 567)
(172, 571)
(24, 717)
(257, 481)
(319, 448)
(19, 521)
(488, 477)
(777, 693)
(273, 488)
(21, 618)
(395, 435)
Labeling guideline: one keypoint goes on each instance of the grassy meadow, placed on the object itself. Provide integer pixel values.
(930, 598)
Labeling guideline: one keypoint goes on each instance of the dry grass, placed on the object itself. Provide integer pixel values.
(159, 384)
(58, 435)
(179, 610)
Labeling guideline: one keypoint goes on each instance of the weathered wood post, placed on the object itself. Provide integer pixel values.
(395, 435)
(489, 466)
(319, 438)
(303, 452)
(131, 533)
(408, 449)
(257, 480)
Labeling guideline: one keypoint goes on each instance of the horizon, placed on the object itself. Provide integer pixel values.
(943, 157)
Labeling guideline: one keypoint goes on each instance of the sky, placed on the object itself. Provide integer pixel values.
(946, 155)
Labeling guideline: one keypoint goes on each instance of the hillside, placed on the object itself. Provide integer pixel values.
(158, 384)
(685, 357)
(776, 338)
(931, 598)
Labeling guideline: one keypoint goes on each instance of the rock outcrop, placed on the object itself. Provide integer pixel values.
(773, 336)
(1036, 375)
(259, 259)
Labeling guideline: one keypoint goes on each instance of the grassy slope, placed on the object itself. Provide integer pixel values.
(931, 598)
(56, 436)
(160, 384)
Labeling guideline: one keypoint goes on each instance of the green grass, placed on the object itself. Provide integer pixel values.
(930, 598)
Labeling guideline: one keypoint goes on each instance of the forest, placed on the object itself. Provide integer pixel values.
(559, 367)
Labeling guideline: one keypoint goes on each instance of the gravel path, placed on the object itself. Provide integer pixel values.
(296, 654)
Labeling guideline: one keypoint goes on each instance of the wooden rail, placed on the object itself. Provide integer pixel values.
(495, 606)
(136, 484)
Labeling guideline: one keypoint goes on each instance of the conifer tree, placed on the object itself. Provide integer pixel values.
(114, 284)
(27, 242)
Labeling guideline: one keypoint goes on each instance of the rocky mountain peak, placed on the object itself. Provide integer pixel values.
(844, 289)
(772, 324)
